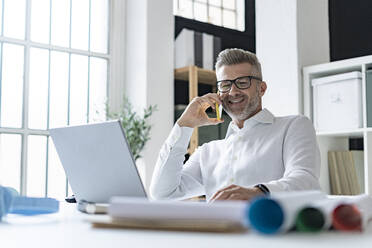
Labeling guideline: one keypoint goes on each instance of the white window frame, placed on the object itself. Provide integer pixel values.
(115, 75)
(238, 11)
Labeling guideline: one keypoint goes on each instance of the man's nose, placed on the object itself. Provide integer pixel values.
(234, 90)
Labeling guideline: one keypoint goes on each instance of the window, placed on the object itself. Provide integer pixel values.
(225, 13)
(54, 61)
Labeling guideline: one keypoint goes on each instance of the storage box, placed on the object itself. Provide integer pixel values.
(337, 102)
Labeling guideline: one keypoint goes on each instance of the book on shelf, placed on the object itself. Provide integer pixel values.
(351, 172)
(369, 97)
(346, 172)
(358, 159)
(333, 174)
(345, 187)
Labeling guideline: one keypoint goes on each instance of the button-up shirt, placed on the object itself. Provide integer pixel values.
(279, 152)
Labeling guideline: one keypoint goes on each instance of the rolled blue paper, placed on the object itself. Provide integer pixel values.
(5, 201)
(33, 205)
(11, 202)
(265, 215)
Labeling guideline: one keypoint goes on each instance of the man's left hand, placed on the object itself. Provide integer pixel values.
(235, 192)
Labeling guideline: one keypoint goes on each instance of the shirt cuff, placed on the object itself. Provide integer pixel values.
(179, 137)
(274, 186)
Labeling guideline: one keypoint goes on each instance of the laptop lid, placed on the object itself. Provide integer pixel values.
(97, 161)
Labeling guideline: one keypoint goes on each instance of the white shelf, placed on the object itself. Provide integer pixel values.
(342, 133)
(339, 139)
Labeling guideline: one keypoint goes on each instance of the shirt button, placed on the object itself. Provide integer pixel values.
(235, 158)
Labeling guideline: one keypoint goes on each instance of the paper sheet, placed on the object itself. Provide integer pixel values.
(141, 208)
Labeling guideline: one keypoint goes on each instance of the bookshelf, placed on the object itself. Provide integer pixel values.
(339, 140)
(195, 75)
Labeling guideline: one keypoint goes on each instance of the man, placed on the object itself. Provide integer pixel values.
(260, 154)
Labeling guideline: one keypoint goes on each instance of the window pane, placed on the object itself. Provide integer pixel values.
(1, 17)
(14, 18)
(240, 11)
(38, 88)
(97, 89)
(230, 4)
(40, 10)
(10, 160)
(12, 86)
(78, 89)
(36, 165)
(80, 24)
(185, 8)
(99, 26)
(60, 22)
(175, 7)
(215, 15)
(58, 89)
(200, 12)
(216, 2)
(229, 19)
(56, 174)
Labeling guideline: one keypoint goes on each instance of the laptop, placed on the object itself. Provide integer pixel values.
(97, 161)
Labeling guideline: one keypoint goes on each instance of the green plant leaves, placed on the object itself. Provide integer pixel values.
(136, 127)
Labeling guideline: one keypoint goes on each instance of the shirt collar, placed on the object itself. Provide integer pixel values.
(264, 116)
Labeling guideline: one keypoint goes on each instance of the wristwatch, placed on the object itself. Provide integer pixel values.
(263, 188)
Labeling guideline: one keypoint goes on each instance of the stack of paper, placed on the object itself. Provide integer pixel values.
(175, 215)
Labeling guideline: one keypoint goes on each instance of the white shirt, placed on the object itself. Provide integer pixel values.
(279, 152)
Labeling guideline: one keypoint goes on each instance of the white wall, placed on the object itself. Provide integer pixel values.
(290, 34)
(149, 70)
(117, 52)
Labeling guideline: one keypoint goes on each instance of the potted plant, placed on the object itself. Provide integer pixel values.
(136, 126)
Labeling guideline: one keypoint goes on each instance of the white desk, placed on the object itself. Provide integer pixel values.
(69, 228)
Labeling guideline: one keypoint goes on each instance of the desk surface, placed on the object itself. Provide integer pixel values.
(69, 228)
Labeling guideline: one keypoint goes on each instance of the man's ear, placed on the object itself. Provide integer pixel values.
(263, 87)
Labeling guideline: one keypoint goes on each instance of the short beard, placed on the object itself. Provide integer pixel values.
(249, 110)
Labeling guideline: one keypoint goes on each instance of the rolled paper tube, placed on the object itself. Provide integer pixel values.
(353, 213)
(265, 215)
(278, 213)
(317, 215)
(5, 201)
(310, 219)
(33, 205)
(347, 217)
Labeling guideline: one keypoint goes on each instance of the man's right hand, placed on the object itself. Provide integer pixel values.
(195, 115)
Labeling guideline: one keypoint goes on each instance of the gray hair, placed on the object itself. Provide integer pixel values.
(233, 56)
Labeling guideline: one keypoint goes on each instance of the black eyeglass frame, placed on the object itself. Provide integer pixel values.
(233, 81)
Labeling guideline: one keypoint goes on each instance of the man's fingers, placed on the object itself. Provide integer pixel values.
(206, 102)
(235, 196)
(223, 194)
(223, 189)
(212, 99)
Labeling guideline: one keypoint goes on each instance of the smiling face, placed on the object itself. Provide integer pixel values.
(241, 104)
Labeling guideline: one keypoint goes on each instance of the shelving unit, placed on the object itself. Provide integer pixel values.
(195, 75)
(339, 140)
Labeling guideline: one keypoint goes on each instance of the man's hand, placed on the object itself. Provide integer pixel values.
(195, 116)
(235, 192)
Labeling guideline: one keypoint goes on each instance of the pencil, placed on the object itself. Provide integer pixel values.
(218, 111)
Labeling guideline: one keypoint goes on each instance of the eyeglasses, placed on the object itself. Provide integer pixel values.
(241, 83)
